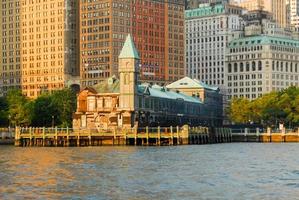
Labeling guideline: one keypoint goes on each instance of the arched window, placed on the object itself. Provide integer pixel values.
(241, 67)
(127, 79)
(291, 67)
(253, 66)
(229, 68)
(287, 66)
(296, 67)
(273, 65)
(277, 66)
(260, 66)
(235, 67)
(281, 66)
(247, 67)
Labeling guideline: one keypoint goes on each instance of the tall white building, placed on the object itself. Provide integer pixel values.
(264, 60)
(257, 65)
(209, 29)
(293, 6)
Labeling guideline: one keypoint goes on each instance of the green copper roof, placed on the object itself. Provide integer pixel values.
(205, 11)
(263, 39)
(164, 93)
(110, 85)
(129, 50)
(190, 83)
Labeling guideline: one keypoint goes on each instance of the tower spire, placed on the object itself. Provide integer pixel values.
(129, 50)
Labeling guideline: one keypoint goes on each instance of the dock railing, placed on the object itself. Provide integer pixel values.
(173, 135)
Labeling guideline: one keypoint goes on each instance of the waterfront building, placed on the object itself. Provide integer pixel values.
(157, 28)
(259, 64)
(125, 102)
(10, 41)
(210, 95)
(209, 29)
(49, 45)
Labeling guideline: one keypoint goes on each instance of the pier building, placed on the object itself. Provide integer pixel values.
(125, 102)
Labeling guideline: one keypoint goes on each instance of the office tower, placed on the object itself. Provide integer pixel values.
(252, 5)
(280, 12)
(157, 28)
(49, 46)
(209, 29)
(279, 9)
(256, 65)
(293, 6)
(10, 63)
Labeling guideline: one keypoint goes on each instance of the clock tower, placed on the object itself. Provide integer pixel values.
(128, 74)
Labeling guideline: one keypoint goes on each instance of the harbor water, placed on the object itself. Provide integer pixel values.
(219, 171)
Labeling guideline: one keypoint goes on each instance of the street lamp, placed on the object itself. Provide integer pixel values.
(8, 121)
(52, 121)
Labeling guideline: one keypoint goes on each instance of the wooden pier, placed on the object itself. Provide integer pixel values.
(255, 135)
(148, 136)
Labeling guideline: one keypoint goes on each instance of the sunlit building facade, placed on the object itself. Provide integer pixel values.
(10, 60)
(158, 31)
(209, 29)
(257, 65)
(49, 46)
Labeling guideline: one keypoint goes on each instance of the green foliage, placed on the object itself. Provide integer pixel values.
(3, 112)
(49, 109)
(18, 108)
(65, 101)
(44, 111)
(269, 109)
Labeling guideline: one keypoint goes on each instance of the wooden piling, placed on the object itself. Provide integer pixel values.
(158, 141)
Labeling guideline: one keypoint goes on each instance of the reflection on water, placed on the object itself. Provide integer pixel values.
(222, 171)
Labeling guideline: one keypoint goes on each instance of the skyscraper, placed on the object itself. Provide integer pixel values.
(49, 45)
(293, 6)
(10, 61)
(280, 12)
(156, 26)
(39, 47)
(278, 8)
(209, 29)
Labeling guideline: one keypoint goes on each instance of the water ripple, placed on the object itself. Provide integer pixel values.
(222, 171)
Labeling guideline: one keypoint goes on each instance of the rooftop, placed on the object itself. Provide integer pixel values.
(111, 85)
(190, 83)
(205, 10)
(264, 39)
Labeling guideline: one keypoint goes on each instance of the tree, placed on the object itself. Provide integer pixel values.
(65, 100)
(18, 108)
(4, 121)
(239, 110)
(44, 111)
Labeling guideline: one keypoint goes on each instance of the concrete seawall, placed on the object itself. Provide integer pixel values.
(7, 136)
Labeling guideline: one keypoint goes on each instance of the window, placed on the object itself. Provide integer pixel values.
(253, 66)
(229, 68)
(260, 65)
(247, 66)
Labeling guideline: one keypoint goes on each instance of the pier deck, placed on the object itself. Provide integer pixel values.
(93, 137)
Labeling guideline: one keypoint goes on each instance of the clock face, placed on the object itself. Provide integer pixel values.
(128, 65)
